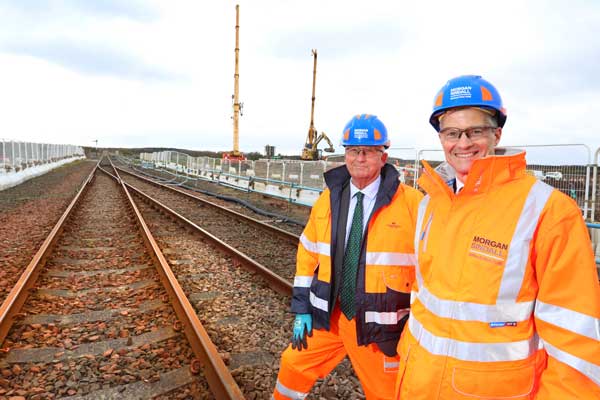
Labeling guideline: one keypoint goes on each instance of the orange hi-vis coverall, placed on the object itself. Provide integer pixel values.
(384, 280)
(507, 301)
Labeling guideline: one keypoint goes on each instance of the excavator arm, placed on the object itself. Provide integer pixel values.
(323, 136)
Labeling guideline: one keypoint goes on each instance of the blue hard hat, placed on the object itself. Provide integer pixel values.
(467, 91)
(365, 130)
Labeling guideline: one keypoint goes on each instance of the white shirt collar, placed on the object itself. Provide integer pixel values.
(459, 185)
(370, 191)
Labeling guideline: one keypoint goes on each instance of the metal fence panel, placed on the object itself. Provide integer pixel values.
(563, 166)
(16, 156)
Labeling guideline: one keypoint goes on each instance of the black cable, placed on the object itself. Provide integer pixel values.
(244, 203)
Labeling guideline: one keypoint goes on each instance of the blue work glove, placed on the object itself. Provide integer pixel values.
(302, 327)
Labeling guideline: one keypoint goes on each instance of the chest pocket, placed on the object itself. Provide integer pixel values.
(398, 279)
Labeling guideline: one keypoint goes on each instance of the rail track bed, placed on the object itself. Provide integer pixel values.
(280, 207)
(28, 212)
(245, 317)
(100, 321)
(269, 246)
(98, 324)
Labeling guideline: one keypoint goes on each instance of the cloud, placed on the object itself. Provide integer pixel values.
(132, 9)
(90, 58)
(380, 40)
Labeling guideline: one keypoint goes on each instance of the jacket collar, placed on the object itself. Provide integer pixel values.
(337, 177)
(504, 166)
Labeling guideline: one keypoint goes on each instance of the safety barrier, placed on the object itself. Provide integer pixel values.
(16, 156)
(297, 181)
(594, 230)
(563, 166)
(594, 204)
(566, 167)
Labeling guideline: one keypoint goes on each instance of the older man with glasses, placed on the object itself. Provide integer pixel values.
(355, 269)
(506, 303)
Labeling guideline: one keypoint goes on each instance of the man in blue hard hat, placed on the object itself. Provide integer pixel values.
(506, 303)
(354, 272)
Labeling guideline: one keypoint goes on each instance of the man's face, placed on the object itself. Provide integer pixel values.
(364, 163)
(461, 153)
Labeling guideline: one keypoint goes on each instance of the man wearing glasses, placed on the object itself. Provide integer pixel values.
(355, 269)
(506, 303)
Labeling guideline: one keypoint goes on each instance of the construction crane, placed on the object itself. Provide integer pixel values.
(310, 150)
(237, 106)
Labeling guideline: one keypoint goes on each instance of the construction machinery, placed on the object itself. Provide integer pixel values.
(310, 150)
(237, 106)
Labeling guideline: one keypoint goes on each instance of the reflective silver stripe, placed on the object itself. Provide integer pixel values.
(518, 253)
(391, 365)
(389, 258)
(468, 351)
(287, 392)
(302, 281)
(319, 303)
(570, 320)
(324, 248)
(315, 247)
(465, 311)
(385, 318)
(420, 217)
(587, 368)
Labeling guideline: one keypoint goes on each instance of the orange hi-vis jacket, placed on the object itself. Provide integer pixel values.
(507, 301)
(386, 266)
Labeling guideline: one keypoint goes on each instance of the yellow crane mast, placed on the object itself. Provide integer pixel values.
(310, 150)
(237, 106)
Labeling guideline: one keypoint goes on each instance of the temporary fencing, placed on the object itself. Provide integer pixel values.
(566, 167)
(16, 156)
(297, 181)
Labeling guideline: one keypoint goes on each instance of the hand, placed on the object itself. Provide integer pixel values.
(302, 327)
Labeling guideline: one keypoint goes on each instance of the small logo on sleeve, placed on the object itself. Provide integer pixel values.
(502, 324)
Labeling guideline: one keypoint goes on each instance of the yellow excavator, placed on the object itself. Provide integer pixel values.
(310, 150)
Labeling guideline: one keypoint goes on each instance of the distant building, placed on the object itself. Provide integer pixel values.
(269, 151)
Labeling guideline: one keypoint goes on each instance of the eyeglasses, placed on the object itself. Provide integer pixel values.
(369, 152)
(473, 133)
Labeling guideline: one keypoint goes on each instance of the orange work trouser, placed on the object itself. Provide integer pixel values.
(300, 369)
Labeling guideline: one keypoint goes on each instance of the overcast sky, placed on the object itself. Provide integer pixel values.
(160, 73)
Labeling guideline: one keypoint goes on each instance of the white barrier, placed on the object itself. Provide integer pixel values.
(14, 178)
(17, 156)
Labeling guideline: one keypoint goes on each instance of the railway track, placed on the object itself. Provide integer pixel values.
(280, 209)
(248, 321)
(98, 313)
(270, 246)
(100, 321)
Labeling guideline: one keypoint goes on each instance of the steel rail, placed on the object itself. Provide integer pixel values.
(292, 238)
(276, 282)
(220, 380)
(17, 296)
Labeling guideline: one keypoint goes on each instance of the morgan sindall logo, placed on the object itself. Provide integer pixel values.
(488, 250)
(461, 92)
(361, 133)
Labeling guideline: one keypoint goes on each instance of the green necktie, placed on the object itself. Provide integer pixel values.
(351, 258)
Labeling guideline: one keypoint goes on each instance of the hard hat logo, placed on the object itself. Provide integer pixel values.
(365, 130)
(361, 133)
(463, 92)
